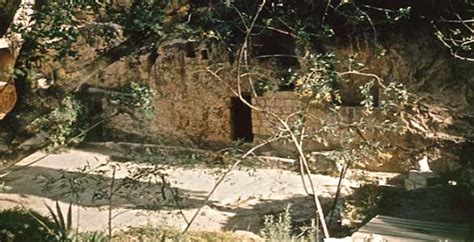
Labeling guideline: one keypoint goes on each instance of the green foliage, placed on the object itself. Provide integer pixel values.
(53, 31)
(318, 81)
(308, 22)
(63, 124)
(67, 124)
(361, 206)
(96, 236)
(397, 95)
(220, 23)
(144, 20)
(261, 87)
(162, 233)
(19, 225)
(56, 25)
(367, 98)
(282, 230)
(401, 13)
(277, 230)
(135, 97)
(62, 226)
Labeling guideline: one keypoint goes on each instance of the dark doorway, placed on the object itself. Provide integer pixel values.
(241, 116)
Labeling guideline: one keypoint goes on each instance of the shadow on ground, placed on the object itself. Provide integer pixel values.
(251, 218)
(93, 189)
(442, 203)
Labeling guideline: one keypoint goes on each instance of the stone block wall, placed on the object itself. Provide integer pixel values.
(282, 104)
(285, 105)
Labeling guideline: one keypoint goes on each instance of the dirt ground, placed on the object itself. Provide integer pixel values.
(84, 178)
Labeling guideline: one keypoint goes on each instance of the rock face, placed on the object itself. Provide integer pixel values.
(440, 121)
(194, 108)
(191, 106)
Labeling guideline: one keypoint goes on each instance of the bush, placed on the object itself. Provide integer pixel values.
(63, 124)
(283, 230)
(361, 206)
(18, 225)
(277, 230)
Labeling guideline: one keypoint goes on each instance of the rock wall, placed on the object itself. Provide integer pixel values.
(191, 106)
(440, 120)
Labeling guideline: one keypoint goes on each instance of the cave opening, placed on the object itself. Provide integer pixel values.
(241, 119)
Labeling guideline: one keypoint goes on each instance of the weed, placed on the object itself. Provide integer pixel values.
(277, 230)
(62, 226)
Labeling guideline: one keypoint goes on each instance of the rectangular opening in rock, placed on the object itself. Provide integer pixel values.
(204, 55)
(190, 50)
(241, 119)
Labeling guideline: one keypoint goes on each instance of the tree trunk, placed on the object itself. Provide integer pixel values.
(14, 12)
(8, 8)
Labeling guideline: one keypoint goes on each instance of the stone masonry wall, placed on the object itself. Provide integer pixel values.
(284, 104)
(280, 103)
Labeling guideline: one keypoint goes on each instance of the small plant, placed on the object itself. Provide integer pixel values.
(54, 30)
(148, 18)
(96, 236)
(277, 230)
(62, 226)
(135, 97)
(164, 233)
(318, 82)
(282, 230)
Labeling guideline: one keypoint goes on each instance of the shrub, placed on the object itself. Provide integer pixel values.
(361, 206)
(24, 225)
(277, 230)
(63, 124)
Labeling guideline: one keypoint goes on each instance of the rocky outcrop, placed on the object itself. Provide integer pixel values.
(191, 107)
(440, 117)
